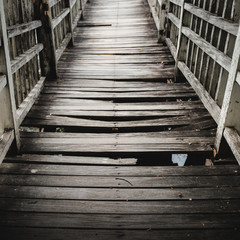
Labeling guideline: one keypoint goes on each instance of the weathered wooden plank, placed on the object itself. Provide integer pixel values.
(119, 207)
(82, 221)
(58, 159)
(162, 134)
(62, 234)
(146, 171)
(81, 122)
(126, 182)
(120, 194)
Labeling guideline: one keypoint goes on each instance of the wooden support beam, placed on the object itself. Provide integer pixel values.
(162, 16)
(19, 29)
(46, 36)
(24, 58)
(70, 21)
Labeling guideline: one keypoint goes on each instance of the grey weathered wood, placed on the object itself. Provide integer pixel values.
(233, 71)
(217, 55)
(121, 194)
(177, 2)
(5, 142)
(219, 22)
(119, 183)
(86, 234)
(78, 160)
(53, 2)
(120, 222)
(63, 46)
(238, 78)
(46, 37)
(59, 18)
(19, 29)
(24, 58)
(208, 102)
(120, 207)
(3, 82)
(179, 49)
(28, 102)
(233, 139)
(146, 171)
(6, 69)
(154, 14)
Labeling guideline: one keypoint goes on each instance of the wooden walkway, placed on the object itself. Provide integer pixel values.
(114, 112)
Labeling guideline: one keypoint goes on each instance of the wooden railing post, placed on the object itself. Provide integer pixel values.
(8, 119)
(46, 37)
(162, 15)
(70, 21)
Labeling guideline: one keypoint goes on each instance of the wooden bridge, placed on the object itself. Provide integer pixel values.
(97, 99)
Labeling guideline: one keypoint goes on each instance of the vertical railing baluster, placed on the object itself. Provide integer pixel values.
(181, 49)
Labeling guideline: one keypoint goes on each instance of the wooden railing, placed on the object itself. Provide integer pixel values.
(204, 38)
(34, 34)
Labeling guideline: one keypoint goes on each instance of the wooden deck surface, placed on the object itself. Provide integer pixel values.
(108, 125)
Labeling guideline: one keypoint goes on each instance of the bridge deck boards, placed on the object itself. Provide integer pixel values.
(107, 126)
